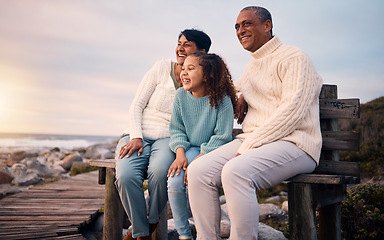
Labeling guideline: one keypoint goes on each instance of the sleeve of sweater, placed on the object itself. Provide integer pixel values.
(223, 129)
(146, 88)
(299, 87)
(177, 129)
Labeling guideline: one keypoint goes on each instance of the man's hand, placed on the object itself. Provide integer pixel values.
(131, 147)
(241, 109)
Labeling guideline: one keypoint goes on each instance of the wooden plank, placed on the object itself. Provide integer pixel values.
(109, 163)
(339, 108)
(53, 195)
(53, 210)
(338, 168)
(341, 140)
(322, 179)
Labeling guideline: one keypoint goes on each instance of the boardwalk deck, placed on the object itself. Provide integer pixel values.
(56, 210)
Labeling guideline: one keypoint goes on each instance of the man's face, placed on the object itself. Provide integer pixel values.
(251, 32)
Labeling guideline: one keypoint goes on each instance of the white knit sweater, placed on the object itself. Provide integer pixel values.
(151, 109)
(281, 87)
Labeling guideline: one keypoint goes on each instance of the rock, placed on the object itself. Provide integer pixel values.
(99, 223)
(69, 160)
(274, 199)
(268, 233)
(5, 174)
(5, 178)
(270, 210)
(283, 196)
(40, 169)
(284, 206)
(53, 159)
(225, 228)
(29, 179)
(23, 178)
(100, 151)
(18, 156)
(222, 199)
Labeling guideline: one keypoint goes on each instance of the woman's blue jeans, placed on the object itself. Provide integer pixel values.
(152, 164)
(177, 196)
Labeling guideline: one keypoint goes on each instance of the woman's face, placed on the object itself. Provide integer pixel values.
(184, 49)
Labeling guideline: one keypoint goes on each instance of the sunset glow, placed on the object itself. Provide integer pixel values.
(73, 67)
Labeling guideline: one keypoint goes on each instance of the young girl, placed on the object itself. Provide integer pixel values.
(202, 120)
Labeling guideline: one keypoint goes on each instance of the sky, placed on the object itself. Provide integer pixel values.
(73, 66)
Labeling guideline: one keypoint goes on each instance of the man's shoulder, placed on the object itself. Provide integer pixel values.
(290, 50)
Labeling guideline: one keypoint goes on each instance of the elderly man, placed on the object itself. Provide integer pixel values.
(281, 132)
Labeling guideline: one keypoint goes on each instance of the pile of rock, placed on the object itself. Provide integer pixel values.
(21, 169)
(269, 210)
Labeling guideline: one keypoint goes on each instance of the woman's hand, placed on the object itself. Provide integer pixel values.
(186, 170)
(241, 109)
(131, 147)
(181, 162)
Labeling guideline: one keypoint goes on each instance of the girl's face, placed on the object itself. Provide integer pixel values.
(192, 77)
(184, 49)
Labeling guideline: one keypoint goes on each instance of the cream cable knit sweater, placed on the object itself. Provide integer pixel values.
(281, 87)
(151, 109)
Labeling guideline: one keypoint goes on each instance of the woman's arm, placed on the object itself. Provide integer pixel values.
(144, 92)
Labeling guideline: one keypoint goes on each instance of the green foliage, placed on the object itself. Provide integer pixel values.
(82, 169)
(371, 129)
(363, 213)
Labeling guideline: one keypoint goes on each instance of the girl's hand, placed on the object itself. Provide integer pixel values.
(241, 109)
(186, 170)
(181, 162)
(131, 147)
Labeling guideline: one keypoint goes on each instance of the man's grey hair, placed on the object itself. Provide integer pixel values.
(261, 13)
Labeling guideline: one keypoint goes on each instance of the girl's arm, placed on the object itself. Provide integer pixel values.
(223, 129)
(177, 129)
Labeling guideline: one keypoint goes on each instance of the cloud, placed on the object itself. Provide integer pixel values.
(74, 66)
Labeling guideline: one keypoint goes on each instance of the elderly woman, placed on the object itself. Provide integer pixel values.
(143, 151)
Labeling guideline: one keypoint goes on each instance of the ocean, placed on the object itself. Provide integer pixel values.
(10, 142)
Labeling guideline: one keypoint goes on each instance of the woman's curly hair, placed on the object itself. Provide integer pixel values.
(218, 79)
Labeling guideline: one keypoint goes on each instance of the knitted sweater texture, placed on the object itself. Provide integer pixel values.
(151, 109)
(195, 123)
(281, 87)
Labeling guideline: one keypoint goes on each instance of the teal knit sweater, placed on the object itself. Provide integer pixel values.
(195, 123)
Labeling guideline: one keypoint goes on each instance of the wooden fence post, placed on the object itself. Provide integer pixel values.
(330, 216)
(113, 210)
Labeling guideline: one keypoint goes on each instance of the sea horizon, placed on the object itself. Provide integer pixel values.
(10, 142)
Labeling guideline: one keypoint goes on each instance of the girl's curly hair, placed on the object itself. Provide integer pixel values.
(218, 78)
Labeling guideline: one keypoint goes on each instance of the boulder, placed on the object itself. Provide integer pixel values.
(268, 233)
(36, 166)
(284, 206)
(23, 178)
(269, 210)
(69, 160)
(274, 199)
(5, 177)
